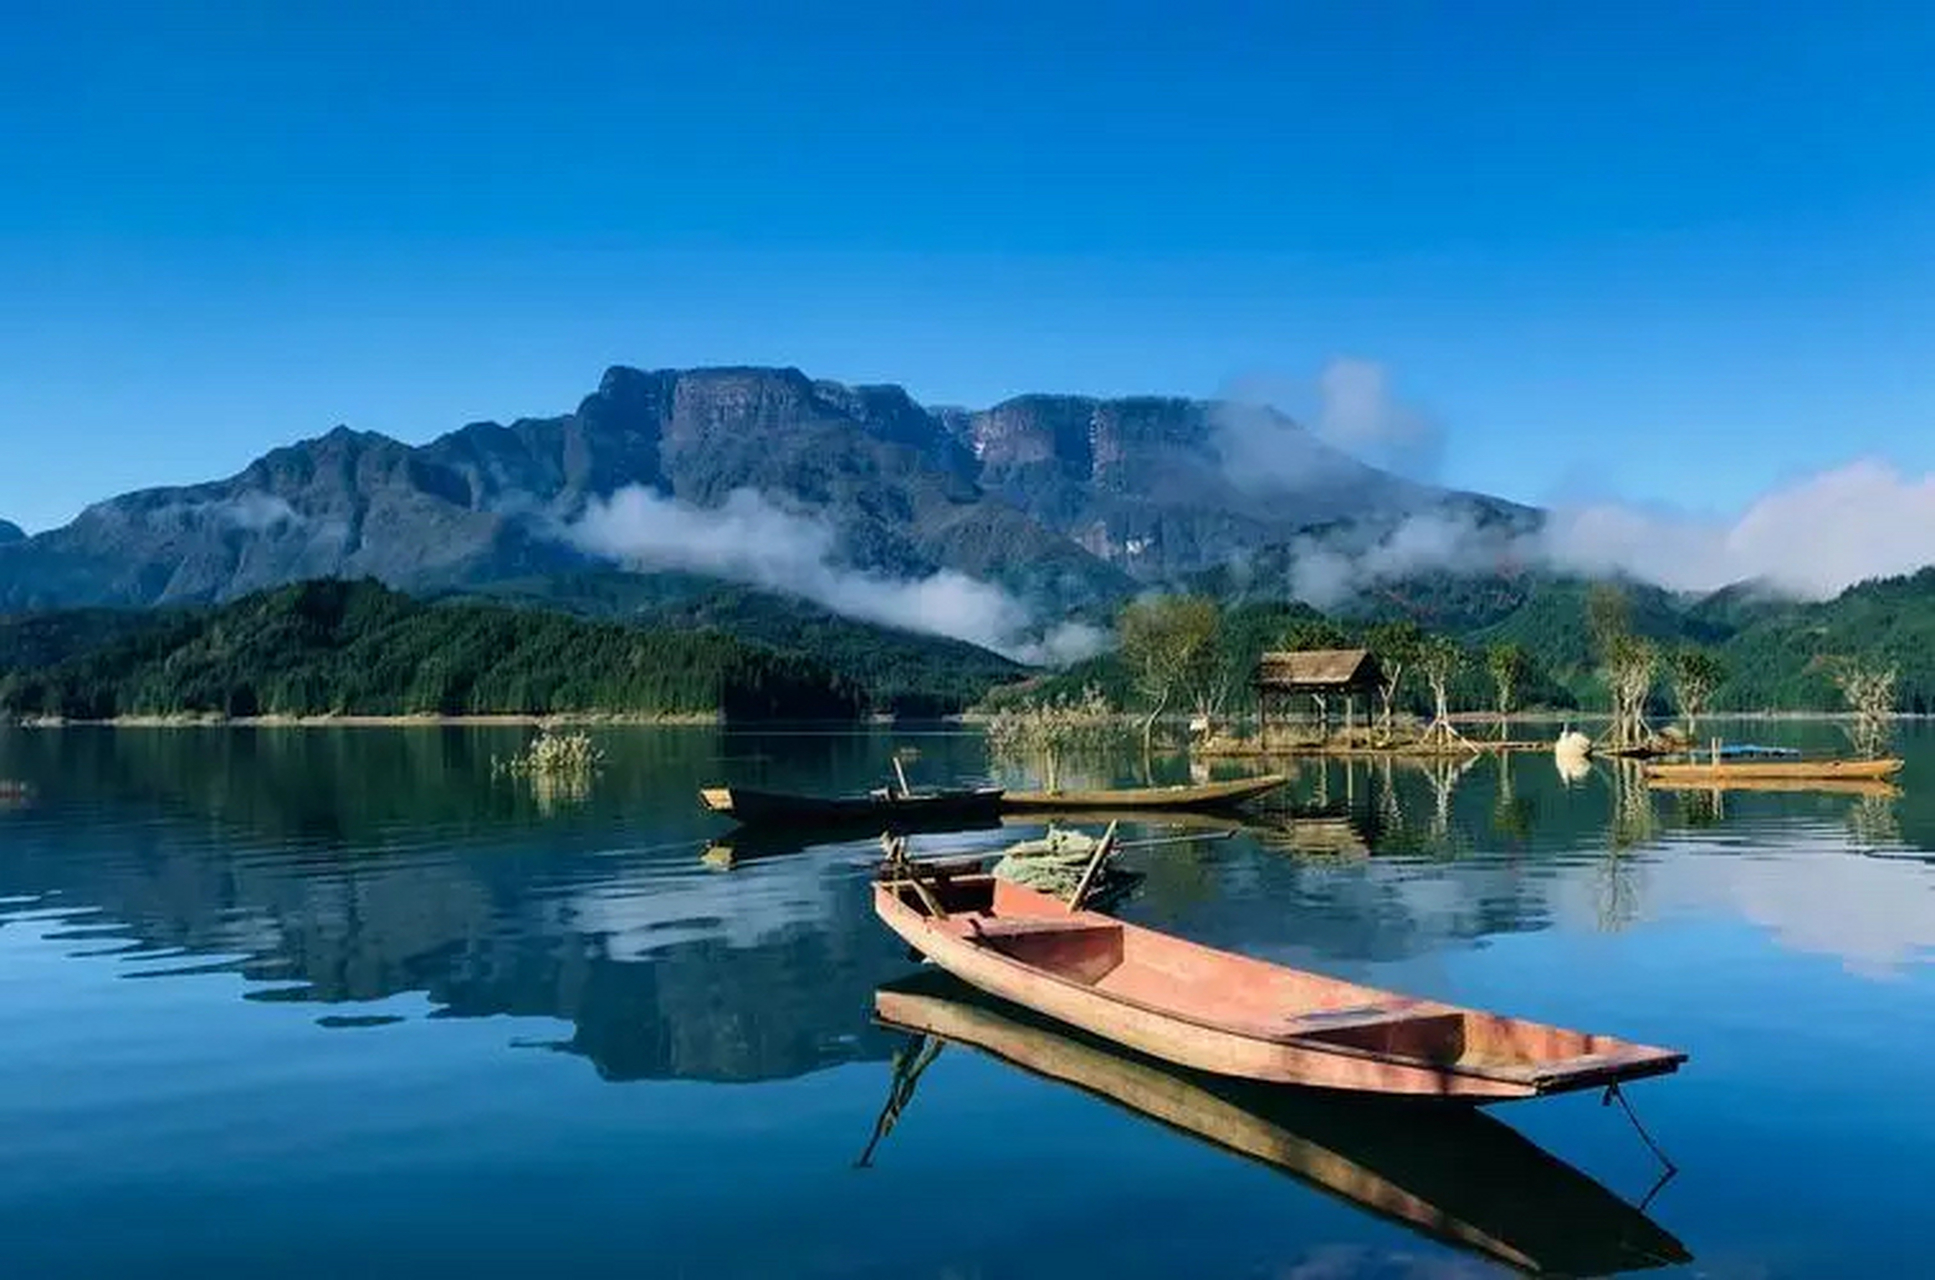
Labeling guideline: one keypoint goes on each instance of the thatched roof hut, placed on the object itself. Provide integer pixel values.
(1317, 671)
(1317, 674)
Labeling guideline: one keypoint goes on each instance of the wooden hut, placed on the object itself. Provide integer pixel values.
(1284, 677)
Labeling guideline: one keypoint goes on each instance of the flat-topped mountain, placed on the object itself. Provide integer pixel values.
(1064, 501)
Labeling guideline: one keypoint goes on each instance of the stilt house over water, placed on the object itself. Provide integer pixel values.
(1284, 678)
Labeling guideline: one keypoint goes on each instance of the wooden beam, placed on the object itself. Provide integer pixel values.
(1103, 848)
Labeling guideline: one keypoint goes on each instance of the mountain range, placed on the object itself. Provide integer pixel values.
(1064, 503)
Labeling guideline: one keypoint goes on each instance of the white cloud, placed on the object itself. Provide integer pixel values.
(1273, 432)
(256, 511)
(1812, 538)
(749, 539)
(1359, 415)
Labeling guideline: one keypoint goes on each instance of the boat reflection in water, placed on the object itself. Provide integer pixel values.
(1454, 1174)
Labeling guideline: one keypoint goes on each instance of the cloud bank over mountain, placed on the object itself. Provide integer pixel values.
(750, 539)
(1811, 539)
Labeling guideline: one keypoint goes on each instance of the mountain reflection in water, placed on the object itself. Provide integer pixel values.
(404, 979)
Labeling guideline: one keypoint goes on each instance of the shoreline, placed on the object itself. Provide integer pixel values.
(645, 719)
(425, 720)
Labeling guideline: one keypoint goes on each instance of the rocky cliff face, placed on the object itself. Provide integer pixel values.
(1064, 499)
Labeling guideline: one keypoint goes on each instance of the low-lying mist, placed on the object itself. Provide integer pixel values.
(1811, 539)
(749, 539)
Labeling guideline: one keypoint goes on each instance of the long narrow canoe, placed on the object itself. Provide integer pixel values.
(881, 808)
(1210, 795)
(1233, 1015)
(1452, 1173)
(1871, 787)
(1787, 770)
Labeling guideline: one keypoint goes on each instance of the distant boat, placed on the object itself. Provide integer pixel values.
(1710, 771)
(881, 809)
(1208, 795)
(1230, 1014)
(1872, 788)
(1454, 1174)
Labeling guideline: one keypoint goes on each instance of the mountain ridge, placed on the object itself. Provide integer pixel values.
(1067, 502)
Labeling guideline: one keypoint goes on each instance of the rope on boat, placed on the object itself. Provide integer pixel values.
(909, 1061)
(1615, 1094)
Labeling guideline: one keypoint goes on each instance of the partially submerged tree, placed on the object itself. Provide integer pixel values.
(1631, 664)
(1053, 730)
(1695, 673)
(1869, 687)
(1628, 661)
(1509, 665)
(1170, 645)
(1395, 645)
(1440, 659)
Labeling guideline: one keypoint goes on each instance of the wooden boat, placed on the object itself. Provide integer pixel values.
(1706, 771)
(1454, 1174)
(1874, 788)
(1210, 795)
(1229, 1014)
(880, 809)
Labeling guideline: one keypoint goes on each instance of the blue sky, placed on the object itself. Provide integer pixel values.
(1676, 253)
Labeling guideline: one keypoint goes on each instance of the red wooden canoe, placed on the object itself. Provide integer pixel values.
(1236, 1016)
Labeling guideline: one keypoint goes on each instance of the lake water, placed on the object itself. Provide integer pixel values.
(339, 1002)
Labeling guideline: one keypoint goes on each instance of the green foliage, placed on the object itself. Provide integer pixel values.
(336, 647)
(903, 672)
(1695, 674)
(1169, 644)
(1508, 665)
(1314, 633)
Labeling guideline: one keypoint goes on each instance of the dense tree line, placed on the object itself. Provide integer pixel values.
(1632, 650)
(903, 672)
(336, 647)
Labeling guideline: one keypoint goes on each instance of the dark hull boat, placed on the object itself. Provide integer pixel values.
(882, 810)
(1197, 797)
(1456, 1175)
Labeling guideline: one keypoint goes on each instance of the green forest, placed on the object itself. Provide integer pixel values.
(358, 648)
(668, 647)
(903, 672)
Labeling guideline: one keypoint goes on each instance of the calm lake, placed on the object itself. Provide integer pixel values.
(338, 1002)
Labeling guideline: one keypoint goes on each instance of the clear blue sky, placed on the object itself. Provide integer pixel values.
(1679, 252)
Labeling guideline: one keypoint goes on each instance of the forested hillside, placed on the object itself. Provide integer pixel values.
(904, 672)
(334, 647)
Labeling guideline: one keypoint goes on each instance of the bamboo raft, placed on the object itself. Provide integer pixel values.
(1209, 795)
(1453, 1174)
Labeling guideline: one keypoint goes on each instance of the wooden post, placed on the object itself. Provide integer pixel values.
(1103, 848)
(902, 871)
